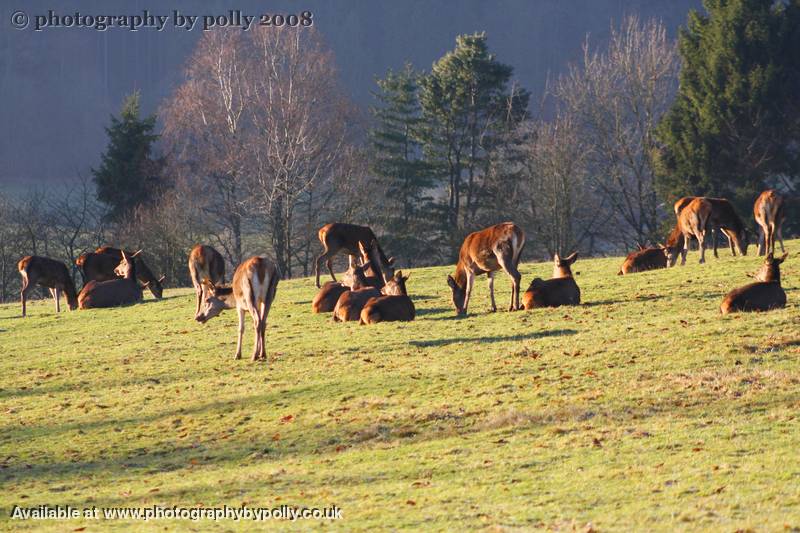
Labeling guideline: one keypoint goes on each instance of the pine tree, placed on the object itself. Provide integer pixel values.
(128, 175)
(730, 127)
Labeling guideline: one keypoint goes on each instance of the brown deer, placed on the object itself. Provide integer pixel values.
(255, 282)
(673, 246)
(761, 295)
(338, 237)
(143, 272)
(115, 292)
(769, 213)
(348, 306)
(692, 222)
(643, 259)
(45, 272)
(355, 278)
(205, 265)
(487, 251)
(394, 305)
(723, 217)
(97, 267)
(326, 298)
(560, 290)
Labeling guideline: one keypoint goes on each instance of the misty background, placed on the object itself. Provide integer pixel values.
(61, 85)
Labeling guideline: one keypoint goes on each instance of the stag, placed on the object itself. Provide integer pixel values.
(255, 282)
(206, 265)
(115, 292)
(485, 252)
(759, 296)
(340, 237)
(769, 213)
(45, 272)
(560, 290)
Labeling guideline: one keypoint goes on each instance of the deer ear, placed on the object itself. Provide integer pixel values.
(572, 258)
(451, 281)
(390, 260)
(406, 277)
(137, 252)
(162, 278)
(783, 258)
(556, 258)
(770, 257)
(362, 249)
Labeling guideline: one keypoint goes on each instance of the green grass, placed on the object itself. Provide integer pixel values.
(641, 409)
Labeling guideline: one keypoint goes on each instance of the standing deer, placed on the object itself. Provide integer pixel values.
(560, 290)
(338, 237)
(644, 259)
(45, 272)
(115, 292)
(692, 222)
(723, 217)
(206, 265)
(487, 251)
(761, 295)
(394, 305)
(252, 290)
(769, 213)
(143, 272)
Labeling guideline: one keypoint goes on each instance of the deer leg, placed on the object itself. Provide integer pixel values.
(26, 288)
(262, 327)
(701, 240)
(687, 238)
(506, 260)
(490, 275)
(771, 238)
(55, 295)
(257, 330)
(324, 256)
(780, 237)
(762, 238)
(730, 243)
(241, 333)
(198, 290)
(468, 288)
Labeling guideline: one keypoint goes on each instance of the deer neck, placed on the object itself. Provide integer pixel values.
(561, 272)
(461, 275)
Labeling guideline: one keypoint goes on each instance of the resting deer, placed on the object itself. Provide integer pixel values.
(485, 252)
(394, 305)
(644, 259)
(560, 290)
(255, 282)
(761, 295)
(45, 272)
(338, 237)
(115, 292)
(769, 213)
(206, 265)
(143, 272)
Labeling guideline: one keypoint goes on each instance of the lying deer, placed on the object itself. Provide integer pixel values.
(393, 306)
(368, 275)
(769, 213)
(115, 292)
(485, 252)
(761, 295)
(45, 272)
(255, 282)
(206, 265)
(339, 237)
(644, 259)
(560, 290)
(143, 272)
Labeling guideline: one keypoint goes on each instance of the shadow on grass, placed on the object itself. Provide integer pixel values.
(497, 338)
(432, 310)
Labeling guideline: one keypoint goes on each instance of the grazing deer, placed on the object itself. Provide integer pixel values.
(692, 222)
(394, 305)
(761, 295)
(644, 259)
(560, 290)
(723, 217)
(769, 213)
(673, 246)
(45, 272)
(487, 251)
(143, 272)
(115, 292)
(206, 265)
(338, 237)
(255, 282)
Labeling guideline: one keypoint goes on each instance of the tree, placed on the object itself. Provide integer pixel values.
(735, 121)
(398, 165)
(128, 175)
(467, 104)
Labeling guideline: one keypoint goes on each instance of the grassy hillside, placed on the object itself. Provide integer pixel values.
(642, 408)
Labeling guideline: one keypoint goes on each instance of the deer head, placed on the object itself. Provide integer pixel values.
(127, 267)
(396, 286)
(561, 267)
(770, 271)
(459, 294)
(216, 299)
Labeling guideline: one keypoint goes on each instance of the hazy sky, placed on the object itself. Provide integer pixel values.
(59, 85)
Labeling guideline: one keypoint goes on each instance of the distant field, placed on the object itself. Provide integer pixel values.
(641, 409)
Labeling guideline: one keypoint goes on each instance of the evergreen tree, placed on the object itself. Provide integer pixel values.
(734, 122)
(398, 164)
(128, 175)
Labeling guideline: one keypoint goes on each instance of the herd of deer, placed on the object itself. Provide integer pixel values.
(372, 291)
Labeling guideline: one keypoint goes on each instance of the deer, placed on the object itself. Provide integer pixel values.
(560, 290)
(206, 265)
(143, 272)
(340, 237)
(97, 267)
(723, 217)
(115, 292)
(769, 212)
(762, 295)
(485, 252)
(643, 259)
(45, 272)
(394, 305)
(673, 245)
(350, 303)
(692, 222)
(252, 290)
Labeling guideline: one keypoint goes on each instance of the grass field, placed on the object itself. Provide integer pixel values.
(641, 409)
